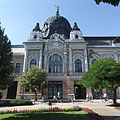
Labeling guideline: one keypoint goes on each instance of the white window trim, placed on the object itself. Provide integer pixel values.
(31, 57)
(78, 56)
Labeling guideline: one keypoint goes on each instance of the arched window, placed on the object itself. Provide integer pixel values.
(76, 36)
(55, 64)
(93, 61)
(78, 65)
(33, 62)
(35, 36)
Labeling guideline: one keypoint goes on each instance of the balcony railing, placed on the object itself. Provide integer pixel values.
(66, 74)
(56, 74)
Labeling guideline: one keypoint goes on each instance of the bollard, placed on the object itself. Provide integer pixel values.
(50, 103)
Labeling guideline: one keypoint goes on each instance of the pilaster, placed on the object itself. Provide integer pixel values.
(40, 59)
(86, 60)
(25, 60)
(70, 61)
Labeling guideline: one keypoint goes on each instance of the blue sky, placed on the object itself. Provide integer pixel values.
(19, 17)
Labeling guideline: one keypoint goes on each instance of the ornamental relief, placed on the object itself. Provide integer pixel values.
(95, 56)
(77, 56)
(55, 45)
(80, 52)
(54, 51)
(33, 53)
(108, 56)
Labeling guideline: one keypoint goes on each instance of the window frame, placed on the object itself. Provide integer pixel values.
(55, 64)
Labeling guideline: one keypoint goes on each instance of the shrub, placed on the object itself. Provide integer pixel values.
(76, 108)
(0, 94)
(17, 102)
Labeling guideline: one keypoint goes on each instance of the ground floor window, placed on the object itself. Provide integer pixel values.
(53, 88)
(110, 93)
(97, 93)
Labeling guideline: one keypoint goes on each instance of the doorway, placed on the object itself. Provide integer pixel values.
(53, 88)
(79, 91)
(11, 93)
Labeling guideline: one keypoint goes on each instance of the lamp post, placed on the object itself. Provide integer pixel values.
(35, 94)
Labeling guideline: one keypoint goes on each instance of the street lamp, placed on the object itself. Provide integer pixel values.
(35, 94)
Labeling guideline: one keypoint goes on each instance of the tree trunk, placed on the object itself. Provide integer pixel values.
(35, 95)
(42, 91)
(115, 96)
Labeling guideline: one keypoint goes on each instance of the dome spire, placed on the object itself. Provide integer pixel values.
(37, 28)
(57, 12)
(75, 27)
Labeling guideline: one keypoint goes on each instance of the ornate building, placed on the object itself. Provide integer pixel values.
(64, 53)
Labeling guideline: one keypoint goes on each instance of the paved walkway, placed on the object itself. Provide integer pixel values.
(97, 106)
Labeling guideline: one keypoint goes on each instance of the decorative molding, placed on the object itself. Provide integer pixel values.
(94, 56)
(108, 56)
(78, 52)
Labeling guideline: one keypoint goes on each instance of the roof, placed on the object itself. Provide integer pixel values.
(100, 40)
(17, 46)
(18, 49)
(56, 24)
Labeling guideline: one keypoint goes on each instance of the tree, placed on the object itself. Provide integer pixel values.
(35, 79)
(6, 70)
(104, 73)
(113, 2)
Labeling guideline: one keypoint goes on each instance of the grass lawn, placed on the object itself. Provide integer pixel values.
(71, 115)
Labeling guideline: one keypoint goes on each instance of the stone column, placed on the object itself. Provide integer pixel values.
(25, 60)
(40, 59)
(116, 56)
(65, 60)
(45, 62)
(86, 60)
(70, 61)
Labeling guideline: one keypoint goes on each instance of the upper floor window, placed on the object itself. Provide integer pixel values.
(55, 64)
(17, 70)
(78, 65)
(33, 62)
(35, 36)
(93, 61)
(76, 36)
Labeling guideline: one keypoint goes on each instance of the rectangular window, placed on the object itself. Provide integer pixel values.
(17, 68)
(12, 64)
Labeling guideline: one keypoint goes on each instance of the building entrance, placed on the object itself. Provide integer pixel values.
(12, 90)
(79, 91)
(53, 88)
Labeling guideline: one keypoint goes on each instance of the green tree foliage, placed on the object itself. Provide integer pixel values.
(104, 73)
(112, 2)
(35, 79)
(6, 70)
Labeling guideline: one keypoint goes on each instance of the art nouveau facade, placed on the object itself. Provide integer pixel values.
(64, 53)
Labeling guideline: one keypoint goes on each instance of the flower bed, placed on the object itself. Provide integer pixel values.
(91, 113)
